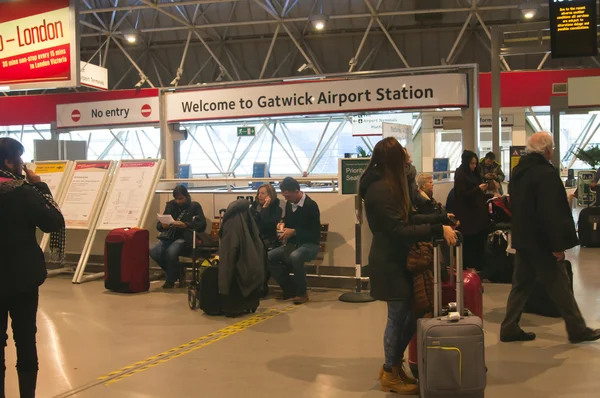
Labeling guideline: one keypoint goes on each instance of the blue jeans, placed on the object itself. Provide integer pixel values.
(166, 254)
(400, 328)
(296, 285)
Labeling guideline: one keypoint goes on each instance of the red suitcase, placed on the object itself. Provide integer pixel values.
(473, 301)
(127, 260)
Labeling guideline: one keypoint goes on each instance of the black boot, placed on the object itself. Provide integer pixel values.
(182, 278)
(27, 384)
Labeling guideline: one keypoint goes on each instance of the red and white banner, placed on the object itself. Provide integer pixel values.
(108, 113)
(38, 44)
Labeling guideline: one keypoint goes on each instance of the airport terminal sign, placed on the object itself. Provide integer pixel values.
(573, 28)
(38, 44)
(321, 96)
(135, 111)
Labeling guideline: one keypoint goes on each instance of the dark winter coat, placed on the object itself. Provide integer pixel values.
(470, 202)
(267, 220)
(193, 218)
(22, 210)
(242, 253)
(392, 237)
(541, 216)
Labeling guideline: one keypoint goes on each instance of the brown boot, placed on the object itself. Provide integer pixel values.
(391, 382)
(401, 373)
(301, 300)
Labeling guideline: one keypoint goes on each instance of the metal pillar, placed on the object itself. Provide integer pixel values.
(167, 149)
(470, 115)
(558, 105)
(497, 35)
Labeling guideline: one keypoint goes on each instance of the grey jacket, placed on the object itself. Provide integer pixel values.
(242, 253)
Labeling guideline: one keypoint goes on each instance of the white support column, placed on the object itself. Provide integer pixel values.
(167, 149)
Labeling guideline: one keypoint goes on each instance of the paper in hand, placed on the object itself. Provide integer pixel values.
(165, 219)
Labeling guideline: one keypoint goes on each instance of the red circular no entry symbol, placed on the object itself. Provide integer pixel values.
(75, 115)
(146, 110)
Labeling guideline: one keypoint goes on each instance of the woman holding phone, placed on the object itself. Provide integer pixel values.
(386, 193)
(471, 210)
(175, 238)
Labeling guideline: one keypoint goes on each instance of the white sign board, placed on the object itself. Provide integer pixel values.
(583, 92)
(402, 132)
(51, 173)
(323, 96)
(486, 121)
(371, 125)
(94, 76)
(127, 200)
(82, 193)
(108, 113)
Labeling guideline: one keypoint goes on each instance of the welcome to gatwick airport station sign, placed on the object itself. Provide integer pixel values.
(321, 96)
(38, 44)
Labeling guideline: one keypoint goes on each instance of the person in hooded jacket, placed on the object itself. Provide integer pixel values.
(542, 230)
(268, 214)
(25, 204)
(470, 207)
(385, 191)
(176, 238)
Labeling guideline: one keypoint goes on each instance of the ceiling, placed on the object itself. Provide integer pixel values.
(194, 42)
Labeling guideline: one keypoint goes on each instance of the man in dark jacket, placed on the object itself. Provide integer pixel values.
(301, 236)
(491, 171)
(542, 230)
(25, 204)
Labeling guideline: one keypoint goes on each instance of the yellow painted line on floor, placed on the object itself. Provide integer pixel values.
(191, 346)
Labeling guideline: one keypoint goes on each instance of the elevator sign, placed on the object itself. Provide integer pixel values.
(38, 44)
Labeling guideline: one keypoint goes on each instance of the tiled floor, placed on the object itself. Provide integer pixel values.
(324, 349)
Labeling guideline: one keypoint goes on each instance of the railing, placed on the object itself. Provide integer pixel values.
(232, 184)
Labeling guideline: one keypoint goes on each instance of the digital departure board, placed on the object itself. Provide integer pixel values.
(573, 28)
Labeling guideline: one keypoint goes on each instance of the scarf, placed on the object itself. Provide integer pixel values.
(58, 239)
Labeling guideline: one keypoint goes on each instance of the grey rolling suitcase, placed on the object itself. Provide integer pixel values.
(451, 353)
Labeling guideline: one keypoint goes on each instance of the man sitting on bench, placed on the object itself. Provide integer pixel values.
(301, 236)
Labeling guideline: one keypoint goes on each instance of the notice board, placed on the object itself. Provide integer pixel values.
(83, 193)
(132, 185)
(516, 153)
(573, 28)
(52, 173)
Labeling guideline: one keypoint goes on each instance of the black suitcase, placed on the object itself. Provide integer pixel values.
(499, 265)
(540, 303)
(232, 305)
(588, 227)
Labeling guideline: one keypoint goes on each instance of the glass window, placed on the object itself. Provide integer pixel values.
(290, 145)
(27, 135)
(118, 143)
(485, 146)
(448, 144)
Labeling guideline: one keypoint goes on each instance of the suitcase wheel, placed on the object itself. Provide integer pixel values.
(192, 297)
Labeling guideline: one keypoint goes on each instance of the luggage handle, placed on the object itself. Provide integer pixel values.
(437, 275)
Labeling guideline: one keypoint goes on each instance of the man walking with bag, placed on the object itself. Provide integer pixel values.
(542, 230)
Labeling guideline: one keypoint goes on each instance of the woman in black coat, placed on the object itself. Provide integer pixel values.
(176, 238)
(268, 214)
(25, 204)
(470, 207)
(386, 194)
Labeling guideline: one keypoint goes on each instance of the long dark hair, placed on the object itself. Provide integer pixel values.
(389, 159)
(11, 150)
(182, 190)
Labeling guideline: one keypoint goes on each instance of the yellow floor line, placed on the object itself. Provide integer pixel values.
(184, 349)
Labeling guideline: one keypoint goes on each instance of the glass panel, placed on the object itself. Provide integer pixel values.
(448, 144)
(27, 135)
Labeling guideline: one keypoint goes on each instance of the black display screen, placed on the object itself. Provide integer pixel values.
(573, 28)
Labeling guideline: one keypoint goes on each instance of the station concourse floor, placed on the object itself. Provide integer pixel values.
(323, 349)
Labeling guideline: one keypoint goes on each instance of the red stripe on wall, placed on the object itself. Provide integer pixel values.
(41, 109)
(527, 88)
(12, 10)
